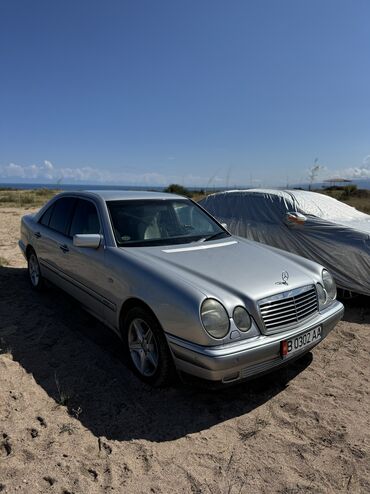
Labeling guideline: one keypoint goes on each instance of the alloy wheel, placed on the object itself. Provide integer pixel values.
(143, 347)
(34, 270)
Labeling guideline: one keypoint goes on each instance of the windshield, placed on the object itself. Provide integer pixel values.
(161, 222)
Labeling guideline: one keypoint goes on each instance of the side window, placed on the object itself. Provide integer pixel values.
(85, 218)
(45, 218)
(61, 214)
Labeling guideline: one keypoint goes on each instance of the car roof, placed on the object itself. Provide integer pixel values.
(124, 195)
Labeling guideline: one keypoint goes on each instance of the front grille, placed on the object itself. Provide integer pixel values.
(288, 308)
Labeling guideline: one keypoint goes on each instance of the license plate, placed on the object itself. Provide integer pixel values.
(297, 343)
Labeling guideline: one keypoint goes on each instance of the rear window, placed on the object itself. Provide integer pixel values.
(61, 214)
(45, 218)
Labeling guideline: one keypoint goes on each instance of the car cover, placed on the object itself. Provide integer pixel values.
(309, 224)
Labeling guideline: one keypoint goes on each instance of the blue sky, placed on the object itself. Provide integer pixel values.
(199, 92)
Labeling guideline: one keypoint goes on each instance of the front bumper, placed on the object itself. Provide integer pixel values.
(247, 358)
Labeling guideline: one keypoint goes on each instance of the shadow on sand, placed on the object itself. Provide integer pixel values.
(78, 361)
(357, 309)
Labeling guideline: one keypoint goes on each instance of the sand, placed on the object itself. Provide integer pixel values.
(74, 419)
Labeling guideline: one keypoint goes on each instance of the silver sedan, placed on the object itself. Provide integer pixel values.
(182, 293)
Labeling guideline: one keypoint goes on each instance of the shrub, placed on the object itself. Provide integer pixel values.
(178, 189)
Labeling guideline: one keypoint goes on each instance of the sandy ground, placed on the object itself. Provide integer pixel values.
(73, 419)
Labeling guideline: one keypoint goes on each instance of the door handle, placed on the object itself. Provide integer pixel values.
(37, 234)
(64, 248)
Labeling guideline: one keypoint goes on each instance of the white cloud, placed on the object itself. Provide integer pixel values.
(361, 171)
(366, 161)
(13, 170)
(356, 172)
(46, 171)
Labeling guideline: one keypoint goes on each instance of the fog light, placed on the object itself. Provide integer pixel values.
(231, 377)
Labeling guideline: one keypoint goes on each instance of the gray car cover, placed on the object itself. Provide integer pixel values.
(306, 223)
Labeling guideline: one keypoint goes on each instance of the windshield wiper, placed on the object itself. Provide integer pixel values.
(216, 235)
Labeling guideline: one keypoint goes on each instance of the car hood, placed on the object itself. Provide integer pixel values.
(234, 265)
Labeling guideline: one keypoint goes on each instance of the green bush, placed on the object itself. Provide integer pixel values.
(178, 189)
(8, 197)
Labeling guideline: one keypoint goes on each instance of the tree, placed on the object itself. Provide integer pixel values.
(313, 172)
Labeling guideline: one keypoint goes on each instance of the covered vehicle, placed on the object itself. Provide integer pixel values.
(309, 224)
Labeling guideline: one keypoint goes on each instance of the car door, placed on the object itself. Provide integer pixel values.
(51, 239)
(84, 266)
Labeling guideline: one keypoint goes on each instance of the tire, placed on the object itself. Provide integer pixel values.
(34, 272)
(147, 349)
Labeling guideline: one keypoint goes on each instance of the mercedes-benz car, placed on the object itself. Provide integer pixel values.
(182, 292)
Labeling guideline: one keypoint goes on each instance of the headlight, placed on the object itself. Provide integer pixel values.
(329, 284)
(242, 319)
(321, 295)
(214, 318)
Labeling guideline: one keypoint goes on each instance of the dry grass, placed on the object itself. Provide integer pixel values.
(196, 196)
(360, 204)
(359, 199)
(3, 261)
(21, 198)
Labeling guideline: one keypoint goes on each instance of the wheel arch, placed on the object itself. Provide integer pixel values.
(29, 249)
(131, 303)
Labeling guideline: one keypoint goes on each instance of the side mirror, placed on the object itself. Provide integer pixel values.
(90, 240)
(224, 225)
(295, 218)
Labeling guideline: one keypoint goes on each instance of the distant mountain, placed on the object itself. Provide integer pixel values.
(361, 184)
